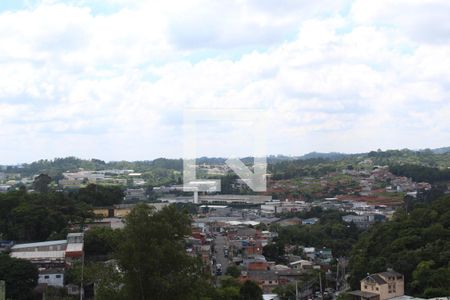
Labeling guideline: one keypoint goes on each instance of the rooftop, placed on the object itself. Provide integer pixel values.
(363, 294)
(52, 271)
(390, 273)
(39, 244)
(375, 277)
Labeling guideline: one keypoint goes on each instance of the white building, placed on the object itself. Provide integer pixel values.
(52, 277)
(49, 252)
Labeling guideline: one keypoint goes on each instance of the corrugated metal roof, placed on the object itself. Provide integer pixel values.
(38, 254)
(377, 278)
(39, 244)
(75, 234)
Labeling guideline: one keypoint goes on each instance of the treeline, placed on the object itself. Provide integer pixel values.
(57, 166)
(426, 157)
(99, 195)
(34, 216)
(30, 217)
(300, 168)
(416, 244)
(421, 173)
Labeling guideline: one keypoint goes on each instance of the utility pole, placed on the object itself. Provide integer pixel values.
(343, 274)
(82, 273)
(2, 290)
(337, 275)
(320, 285)
(296, 290)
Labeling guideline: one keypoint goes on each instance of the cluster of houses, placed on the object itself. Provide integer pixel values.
(223, 243)
(370, 182)
(52, 259)
(232, 220)
(74, 180)
(242, 242)
(9, 180)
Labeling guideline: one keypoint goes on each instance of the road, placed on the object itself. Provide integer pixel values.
(220, 242)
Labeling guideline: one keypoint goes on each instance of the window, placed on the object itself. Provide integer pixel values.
(58, 276)
(365, 286)
(377, 288)
(46, 277)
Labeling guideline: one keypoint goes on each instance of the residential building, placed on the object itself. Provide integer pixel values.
(135, 195)
(50, 254)
(5, 245)
(4, 188)
(238, 199)
(301, 264)
(52, 277)
(289, 222)
(381, 286)
(310, 221)
(75, 244)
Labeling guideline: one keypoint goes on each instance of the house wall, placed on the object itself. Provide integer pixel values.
(52, 279)
(394, 288)
(386, 291)
(121, 212)
(367, 286)
(102, 212)
(257, 266)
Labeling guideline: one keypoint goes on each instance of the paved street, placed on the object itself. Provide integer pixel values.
(220, 242)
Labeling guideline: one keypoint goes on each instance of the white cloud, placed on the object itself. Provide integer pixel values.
(114, 85)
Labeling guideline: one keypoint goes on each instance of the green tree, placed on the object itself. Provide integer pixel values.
(19, 275)
(229, 289)
(36, 217)
(285, 292)
(250, 290)
(99, 195)
(274, 252)
(105, 275)
(41, 183)
(233, 271)
(101, 241)
(415, 244)
(153, 258)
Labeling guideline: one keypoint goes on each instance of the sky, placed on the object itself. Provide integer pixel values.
(113, 79)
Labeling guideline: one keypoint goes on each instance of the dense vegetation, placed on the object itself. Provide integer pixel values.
(421, 173)
(156, 172)
(331, 233)
(20, 277)
(100, 195)
(299, 168)
(164, 171)
(38, 217)
(416, 244)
